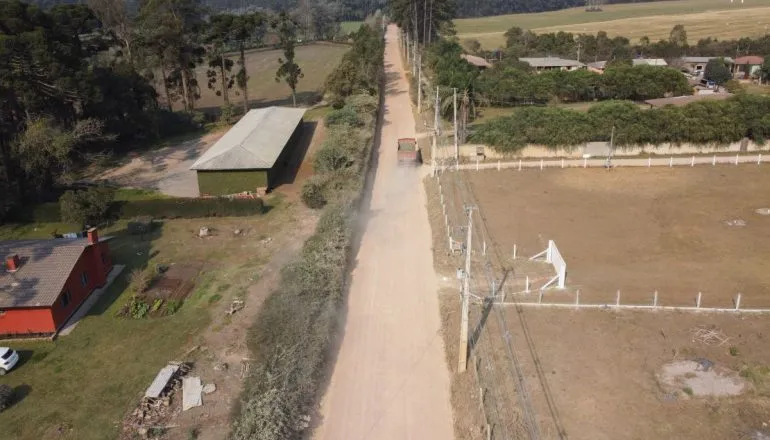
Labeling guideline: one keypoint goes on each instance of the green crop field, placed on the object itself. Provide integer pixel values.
(316, 61)
(701, 18)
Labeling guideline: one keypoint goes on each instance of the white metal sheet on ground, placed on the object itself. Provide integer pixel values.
(191, 392)
(160, 382)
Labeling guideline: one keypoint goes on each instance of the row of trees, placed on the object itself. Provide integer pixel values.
(703, 122)
(600, 47)
(513, 83)
(80, 79)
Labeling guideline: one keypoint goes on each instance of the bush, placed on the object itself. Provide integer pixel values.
(188, 208)
(313, 193)
(86, 207)
(346, 115)
(331, 157)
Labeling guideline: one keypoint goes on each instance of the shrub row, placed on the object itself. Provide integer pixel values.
(703, 122)
(291, 336)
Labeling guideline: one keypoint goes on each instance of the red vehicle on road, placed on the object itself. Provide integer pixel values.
(408, 152)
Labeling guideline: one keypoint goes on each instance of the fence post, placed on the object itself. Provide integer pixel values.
(649, 162)
(697, 302)
(738, 302)
(484, 248)
(494, 284)
(526, 285)
(477, 163)
(498, 165)
(671, 162)
(519, 164)
(541, 164)
(617, 299)
(514, 251)
(759, 159)
(562, 163)
(736, 159)
(540, 297)
(655, 299)
(577, 297)
(692, 163)
(585, 162)
(714, 160)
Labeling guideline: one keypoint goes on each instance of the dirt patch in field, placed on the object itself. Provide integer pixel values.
(602, 369)
(639, 230)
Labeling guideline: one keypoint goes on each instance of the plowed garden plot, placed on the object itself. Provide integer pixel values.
(675, 231)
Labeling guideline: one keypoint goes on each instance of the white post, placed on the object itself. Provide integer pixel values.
(738, 302)
(671, 162)
(692, 163)
(498, 165)
(419, 85)
(697, 302)
(541, 164)
(540, 297)
(441, 195)
(514, 251)
(759, 159)
(484, 248)
(617, 299)
(494, 289)
(577, 297)
(714, 160)
(736, 159)
(446, 220)
(457, 145)
(655, 299)
(585, 162)
(477, 163)
(519, 164)
(562, 163)
(526, 285)
(649, 162)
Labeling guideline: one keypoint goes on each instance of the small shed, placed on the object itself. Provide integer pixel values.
(252, 154)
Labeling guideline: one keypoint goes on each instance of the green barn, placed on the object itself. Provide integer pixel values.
(252, 154)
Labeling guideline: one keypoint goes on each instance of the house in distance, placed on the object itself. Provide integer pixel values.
(252, 154)
(44, 282)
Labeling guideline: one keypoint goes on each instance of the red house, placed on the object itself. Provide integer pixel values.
(43, 282)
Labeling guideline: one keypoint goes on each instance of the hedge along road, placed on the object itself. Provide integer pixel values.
(390, 380)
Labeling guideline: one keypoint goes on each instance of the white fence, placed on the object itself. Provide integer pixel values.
(553, 257)
(671, 161)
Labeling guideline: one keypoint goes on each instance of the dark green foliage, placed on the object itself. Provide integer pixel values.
(703, 122)
(188, 208)
(344, 116)
(360, 70)
(718, 71)
(87, 207)
(6, 396)
(288, 70)
(313, 193)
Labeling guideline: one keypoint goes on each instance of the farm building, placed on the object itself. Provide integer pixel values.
(599, 66)
(553, 63)
(697, 65)
(43, 282)
(252, 154)
(479, 62)
(748, 66)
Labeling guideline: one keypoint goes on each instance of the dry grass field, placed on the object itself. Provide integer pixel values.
(701, 18)
(640, 230)
(316, 60)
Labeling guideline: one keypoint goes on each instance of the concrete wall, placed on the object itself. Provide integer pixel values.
(538, 151)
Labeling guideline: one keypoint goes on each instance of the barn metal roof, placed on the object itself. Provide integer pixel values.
(45, 267)
(255, 142)
(551, 62)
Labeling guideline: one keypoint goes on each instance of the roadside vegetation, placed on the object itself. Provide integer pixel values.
(291, 336)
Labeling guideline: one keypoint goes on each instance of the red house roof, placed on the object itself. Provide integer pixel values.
(752, 60)
(45, 267)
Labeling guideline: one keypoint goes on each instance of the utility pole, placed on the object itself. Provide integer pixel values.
(419, 85)
(430, 24)
(457, 145)
(466, 293)
(612, 148)
(437, 108)
(579, 46)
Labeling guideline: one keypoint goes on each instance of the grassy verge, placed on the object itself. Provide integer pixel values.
(291, 336)
(81, 385)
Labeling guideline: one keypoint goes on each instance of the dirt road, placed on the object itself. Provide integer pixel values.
(390, 380)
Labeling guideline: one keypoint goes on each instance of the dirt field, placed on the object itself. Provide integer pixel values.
(316, 61)
(701, 18)
(640, 230)
(600, 367)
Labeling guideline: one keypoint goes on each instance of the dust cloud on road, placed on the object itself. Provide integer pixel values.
(390, 380)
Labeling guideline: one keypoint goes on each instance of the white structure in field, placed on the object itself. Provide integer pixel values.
(553, 257)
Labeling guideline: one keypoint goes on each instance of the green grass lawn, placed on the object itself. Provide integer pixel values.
(81, 385)
(350, 26)
(701, 18)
